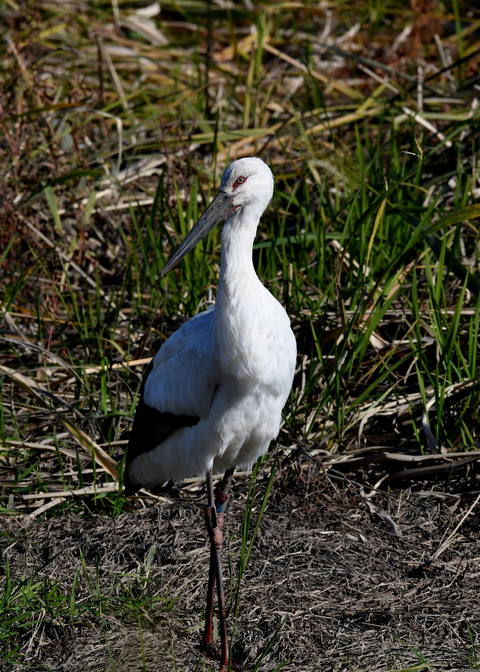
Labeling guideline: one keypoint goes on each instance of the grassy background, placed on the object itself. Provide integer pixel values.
(117, 120)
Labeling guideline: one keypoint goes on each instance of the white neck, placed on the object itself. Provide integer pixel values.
(237, 274)
(242, 301)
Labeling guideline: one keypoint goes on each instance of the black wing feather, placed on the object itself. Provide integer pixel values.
(150, 428)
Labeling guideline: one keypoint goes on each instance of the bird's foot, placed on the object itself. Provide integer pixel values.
(211, 652)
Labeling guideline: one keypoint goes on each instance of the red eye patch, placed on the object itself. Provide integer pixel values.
(238, 181)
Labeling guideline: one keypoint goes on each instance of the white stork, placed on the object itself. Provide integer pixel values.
(212, 398)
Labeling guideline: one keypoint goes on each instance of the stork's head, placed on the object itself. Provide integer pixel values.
(248, 181)
(245, 183)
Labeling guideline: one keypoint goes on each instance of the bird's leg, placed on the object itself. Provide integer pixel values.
(214, 523)
(210, 522)
(222, 493)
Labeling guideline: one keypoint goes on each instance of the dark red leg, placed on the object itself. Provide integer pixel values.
(208, 632)
(214, 523)
(222, 495)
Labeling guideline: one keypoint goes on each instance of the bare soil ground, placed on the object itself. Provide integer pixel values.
(348, 577)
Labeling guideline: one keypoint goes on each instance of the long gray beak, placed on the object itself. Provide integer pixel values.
(219, 208)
